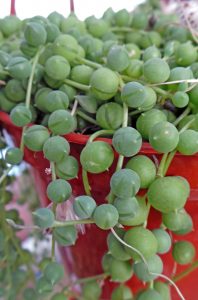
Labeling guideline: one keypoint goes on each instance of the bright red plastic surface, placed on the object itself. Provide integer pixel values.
(84, 259)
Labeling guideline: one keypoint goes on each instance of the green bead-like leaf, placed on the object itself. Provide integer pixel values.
(43, 217)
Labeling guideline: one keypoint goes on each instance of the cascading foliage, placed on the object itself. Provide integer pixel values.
(131, 76)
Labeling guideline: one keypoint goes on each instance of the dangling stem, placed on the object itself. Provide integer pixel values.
(183, 115)
(99, 133)
(160, 172)
(77, 85)
(88, 279)
(29, 91)
(86, 182)
(89, 63)
(186, 272)
(72, 222)
(86, 117)
(53, 172)
(5, 174)
(145, 262)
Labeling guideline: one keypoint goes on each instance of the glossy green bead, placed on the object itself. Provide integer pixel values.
(134, 70)
(144, 167)
(151, 52)
(97, 27)
(186, 54)
(122, 18)
(14, 156)
(10, 25)
(35, 137)
(127, 141)
(56, 148)
(21, 115)
(105, 216)
(104, 83)
(84, 206)
(115, 248)
(109, 115)
(140, 20)
(65, 236)
(147, 120)
(14, 91)
(54, 272)
(188, 142)
(150, 100)
(138, 237)
(125, 183)
(164, 137)
(66, 45)
(122, 292)
(52, 32)
(88, 103)
(43, 286)
(41, 99)
(43, 217)
(163, 289)
(118, 58)
(59, 191)
(149, 294)
(155, 265)
(55, 18)
(183, 252)
(96, 157)
(35, 34)
(156, 70)
(127, 208)
(19, 68)
(180, 99)
(67, 168)
(163, 239)
(5, 104)
(91, 290)
(57, 67)
(120, 271)
(61, 122)
(133, 51)
(56, 100)
(177, 221)
(133, 94)
(69, 91)
(168, 193)
(81, 74)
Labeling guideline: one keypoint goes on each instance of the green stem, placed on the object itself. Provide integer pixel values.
(86, 182)
(89, 63)
(5, 174)
(183, 115)
(72, 222)
(99, 133)
(86, 117)
(161, 92)
(88, 279)
(29, 91)
(77, 85)
(168, 161)
(110, 196)
(136, 112)
(187, 125)
(186, 272)
(53, 172)
(31, 78)
(122, 29)
(160, 172)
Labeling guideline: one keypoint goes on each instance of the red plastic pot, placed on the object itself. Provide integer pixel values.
(84, 259)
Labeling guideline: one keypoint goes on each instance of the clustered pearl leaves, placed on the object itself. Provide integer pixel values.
(124, 72)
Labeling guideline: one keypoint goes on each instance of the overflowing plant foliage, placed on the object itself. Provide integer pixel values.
(131, 76)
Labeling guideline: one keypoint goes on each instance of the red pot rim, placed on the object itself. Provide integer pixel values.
(81, 139)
